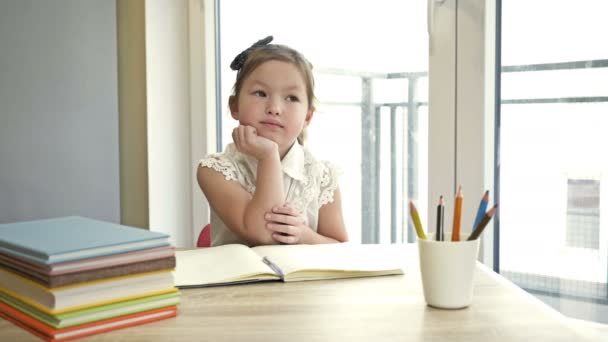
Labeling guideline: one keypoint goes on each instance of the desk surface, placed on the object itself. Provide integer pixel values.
(367, 309)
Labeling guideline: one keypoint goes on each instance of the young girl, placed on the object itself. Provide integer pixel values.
(267, 188)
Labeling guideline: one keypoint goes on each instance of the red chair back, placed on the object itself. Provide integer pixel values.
(204, 238)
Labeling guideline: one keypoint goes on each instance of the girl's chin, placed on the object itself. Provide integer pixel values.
(268, 135)
(272, 137)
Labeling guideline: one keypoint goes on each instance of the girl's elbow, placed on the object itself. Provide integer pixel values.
(256, 236)
(342, 235)
(343, 238)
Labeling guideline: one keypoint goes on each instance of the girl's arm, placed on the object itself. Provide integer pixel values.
(331, 226)
(289, 226)
(242, 212)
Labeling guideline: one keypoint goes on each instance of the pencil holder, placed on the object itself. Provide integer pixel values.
(447, 269)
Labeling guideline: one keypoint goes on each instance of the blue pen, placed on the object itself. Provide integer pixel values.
(483, 205)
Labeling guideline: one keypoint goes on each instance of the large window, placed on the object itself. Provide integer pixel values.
(553, 164)
(371, 77)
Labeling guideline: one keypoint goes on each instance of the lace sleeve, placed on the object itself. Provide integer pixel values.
(329, 182)
(220, 165)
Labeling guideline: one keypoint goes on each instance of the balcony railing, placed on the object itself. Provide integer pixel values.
(371, 133)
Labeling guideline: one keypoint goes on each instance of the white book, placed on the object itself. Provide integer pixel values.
(83, 295)
(231, 264)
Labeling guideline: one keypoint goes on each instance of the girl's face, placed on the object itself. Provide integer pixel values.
(273, 100)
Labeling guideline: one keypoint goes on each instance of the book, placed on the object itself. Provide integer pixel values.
(84, 295)
(235, 263)
(88, 263)
(59, 280)
(49, 333)
(70, 238)
(96, 313)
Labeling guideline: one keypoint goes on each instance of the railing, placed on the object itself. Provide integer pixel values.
(370, 148)
(371, 133)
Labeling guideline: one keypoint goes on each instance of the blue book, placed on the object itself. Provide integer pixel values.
(72, 238)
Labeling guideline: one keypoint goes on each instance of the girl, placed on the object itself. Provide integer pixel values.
(267, 188)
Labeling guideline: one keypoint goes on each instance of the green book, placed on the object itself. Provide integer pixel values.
(82, 316)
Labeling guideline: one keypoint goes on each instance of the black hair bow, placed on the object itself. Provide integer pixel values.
(239, 60)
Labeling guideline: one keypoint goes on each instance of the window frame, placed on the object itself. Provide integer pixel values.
(460, 124)
(462, 145)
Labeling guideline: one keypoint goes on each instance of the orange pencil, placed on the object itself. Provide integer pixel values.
(457, 215)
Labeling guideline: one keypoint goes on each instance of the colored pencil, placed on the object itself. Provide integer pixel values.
(483, 223)
(416, 220)
(483, 206)
(440, 212)
(457, 215)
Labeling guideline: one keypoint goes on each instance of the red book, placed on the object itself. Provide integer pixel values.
(87, 264)
(49, 333)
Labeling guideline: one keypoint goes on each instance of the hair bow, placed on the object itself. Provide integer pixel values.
(239, 60)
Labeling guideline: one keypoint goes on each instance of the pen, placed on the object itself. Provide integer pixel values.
(483, 206)
(416, 220)
(440, 211)
(483, 223)
(457, 214)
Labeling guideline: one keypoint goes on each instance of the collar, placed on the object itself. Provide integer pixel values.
(293, 162)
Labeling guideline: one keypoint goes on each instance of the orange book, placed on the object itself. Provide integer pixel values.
(49, 333)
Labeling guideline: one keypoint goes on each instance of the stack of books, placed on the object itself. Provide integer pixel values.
(71, 277)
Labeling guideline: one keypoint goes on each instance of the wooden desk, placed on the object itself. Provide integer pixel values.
(364, 309)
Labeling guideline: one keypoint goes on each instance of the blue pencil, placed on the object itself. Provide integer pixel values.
(483, 205)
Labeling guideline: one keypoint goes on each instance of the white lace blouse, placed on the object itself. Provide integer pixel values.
(308, 184)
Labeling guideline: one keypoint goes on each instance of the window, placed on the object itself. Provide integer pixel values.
(371, 77)
(553, 122)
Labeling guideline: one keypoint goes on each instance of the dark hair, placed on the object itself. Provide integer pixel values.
(253, 57)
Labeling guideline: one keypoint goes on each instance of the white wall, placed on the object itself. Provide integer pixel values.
(475, 113)
(168, 119)
(203, 100)
(461, 109)
(442, 106)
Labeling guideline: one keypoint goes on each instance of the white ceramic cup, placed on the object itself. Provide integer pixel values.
(447, 269)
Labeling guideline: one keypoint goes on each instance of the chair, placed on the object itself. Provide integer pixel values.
(204, 238)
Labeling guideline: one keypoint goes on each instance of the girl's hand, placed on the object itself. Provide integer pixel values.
(288, 226)
(249, 142)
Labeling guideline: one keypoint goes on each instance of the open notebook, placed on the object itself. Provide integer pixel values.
(232, 264)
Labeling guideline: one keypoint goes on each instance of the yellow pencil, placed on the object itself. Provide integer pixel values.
(457, 215)
(416, 220)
